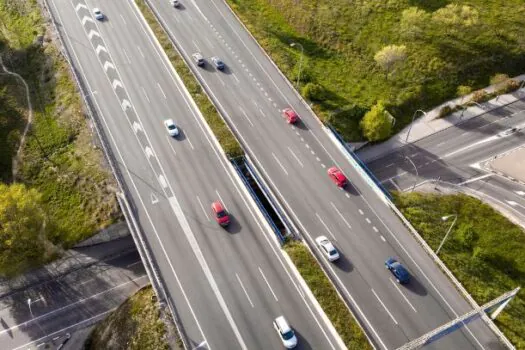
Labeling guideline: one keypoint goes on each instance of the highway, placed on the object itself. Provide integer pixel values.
(227, 285)
(456, 155)
(71, 302)
(250, 94)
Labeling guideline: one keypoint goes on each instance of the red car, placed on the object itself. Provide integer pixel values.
(290, 115)
(221, 216)
(337, 177)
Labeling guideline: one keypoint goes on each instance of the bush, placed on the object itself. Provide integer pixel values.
(509, 86)
(445, 111)
(377, 123)
(479, 96)
(314, 92)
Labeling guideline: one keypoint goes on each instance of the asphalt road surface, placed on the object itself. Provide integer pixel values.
(293, 160)
(227, 285)
(457, 155)
(62, 306)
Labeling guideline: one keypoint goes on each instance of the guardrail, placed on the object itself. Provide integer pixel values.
(255, 197)
(124, 203)
(359, 161)
(388, 200)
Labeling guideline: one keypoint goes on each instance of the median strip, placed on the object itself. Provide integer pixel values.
(325, 293)
(223, 134)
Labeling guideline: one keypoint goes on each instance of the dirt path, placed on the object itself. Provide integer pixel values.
(29, 121)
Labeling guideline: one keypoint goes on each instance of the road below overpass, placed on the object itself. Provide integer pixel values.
(293, 160)
(226, 285)
(460, 155)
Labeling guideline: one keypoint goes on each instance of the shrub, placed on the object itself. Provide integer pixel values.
(445, 111)
(314, 92)
(509, 86)
(466, 235)
(377, 123)
(479, 96)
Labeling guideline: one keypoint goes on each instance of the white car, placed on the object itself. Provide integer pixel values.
(173, 130)
(327, 248)
(98, 14)
(285, 332)
(508, 132)
(197, 57)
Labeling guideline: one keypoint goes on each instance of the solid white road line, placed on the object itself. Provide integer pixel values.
(402, 294)
(145, 94)
(202, 207)
(326, 227)
(268, 284)
(341, 215)
(381, 302)
(296, 158)
(244, 289)
(162, 91)
(278, 162)
(475, 179)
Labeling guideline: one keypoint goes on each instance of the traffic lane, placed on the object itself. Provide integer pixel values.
(418, 260)
(509, 201)
(191, 325)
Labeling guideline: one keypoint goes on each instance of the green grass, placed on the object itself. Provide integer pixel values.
(485, 251)
(136, 324)
(226, 139)
(58, 158)
(326, 295)
(340, 39)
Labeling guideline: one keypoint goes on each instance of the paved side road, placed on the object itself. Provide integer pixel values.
(40, 308)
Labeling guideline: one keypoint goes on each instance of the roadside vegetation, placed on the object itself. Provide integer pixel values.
(58, 163)
(325, 293)
(408, 54)
(226, 139)
(135, 324)
(485, 251)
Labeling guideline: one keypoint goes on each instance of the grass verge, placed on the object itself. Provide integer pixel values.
(226, 138)
(485, 251)
(135, 324)
(58, 158)
(341, 40)
(342, 319)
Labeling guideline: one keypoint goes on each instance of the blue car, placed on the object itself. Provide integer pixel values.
(399, 271)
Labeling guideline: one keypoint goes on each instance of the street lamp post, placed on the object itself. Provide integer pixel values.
(300, 63)
(417, 173)
(445, 218)
(412, 122)
(29, 305)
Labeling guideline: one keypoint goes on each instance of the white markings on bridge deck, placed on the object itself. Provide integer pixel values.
(244, 289)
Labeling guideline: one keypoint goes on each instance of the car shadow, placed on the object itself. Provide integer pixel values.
(343, 263)
(350, 189)
(301, 125)
(302, 343)
(208, 66)
(234, 226)
(415, 286)
(181, 136)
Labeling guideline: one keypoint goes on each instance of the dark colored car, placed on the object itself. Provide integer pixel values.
(217, 62)
(399, 271)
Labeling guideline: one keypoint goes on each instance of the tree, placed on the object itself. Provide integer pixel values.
(454, 16)
(22, 229)
(377, 123)
(413, 21)
(389, 55)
